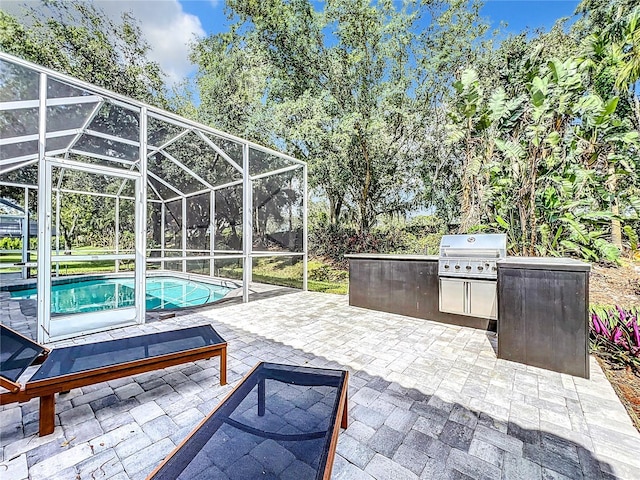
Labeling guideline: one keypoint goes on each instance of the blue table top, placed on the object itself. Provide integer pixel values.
(277, 423)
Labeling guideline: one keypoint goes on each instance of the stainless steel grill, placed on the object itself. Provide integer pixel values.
(471, 256)
(467, 267)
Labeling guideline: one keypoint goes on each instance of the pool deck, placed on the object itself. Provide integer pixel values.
(426, 400)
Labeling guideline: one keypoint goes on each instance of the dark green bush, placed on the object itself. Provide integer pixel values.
(334, 242)
(9, 243)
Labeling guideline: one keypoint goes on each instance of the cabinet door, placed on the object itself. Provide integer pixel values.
(452, 295)
(483, 299)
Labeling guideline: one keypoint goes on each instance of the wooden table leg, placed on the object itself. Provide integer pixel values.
(223, 367)
(345, 412)
(261, 397)
(47, 414)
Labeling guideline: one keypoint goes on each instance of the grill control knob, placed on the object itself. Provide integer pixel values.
(457, 267)
(480, 267)
(446, 266)
(487, 265)
(468, 267)
(493, 269)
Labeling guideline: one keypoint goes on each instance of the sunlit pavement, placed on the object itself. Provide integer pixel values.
(426, 400)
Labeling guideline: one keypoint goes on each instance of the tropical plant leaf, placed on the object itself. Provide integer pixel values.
(576, 229)
(588, 253)
(501, 221)
(468, 77)
(557, 236)
(607, 250)
(632, 235)
(497, 104)
(610, 106)
(538, 98)
(571, 246)
(511, 149)
(601, 215)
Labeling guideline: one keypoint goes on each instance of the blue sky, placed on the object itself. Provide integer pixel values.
(532, 14)
(518, 14)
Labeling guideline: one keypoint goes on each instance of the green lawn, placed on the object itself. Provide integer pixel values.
(273, 271)
(279, 271)
(72, 268)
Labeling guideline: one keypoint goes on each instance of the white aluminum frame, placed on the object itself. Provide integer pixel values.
(136, 170)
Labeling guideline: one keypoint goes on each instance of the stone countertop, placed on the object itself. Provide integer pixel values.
(391, 256)
(545, 263)
(531, 263)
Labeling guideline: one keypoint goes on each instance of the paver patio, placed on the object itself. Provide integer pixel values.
(426, 400)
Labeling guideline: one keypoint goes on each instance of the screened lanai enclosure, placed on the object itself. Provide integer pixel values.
(123, 196)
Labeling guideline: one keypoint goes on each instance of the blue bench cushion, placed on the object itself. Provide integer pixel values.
(91, 356)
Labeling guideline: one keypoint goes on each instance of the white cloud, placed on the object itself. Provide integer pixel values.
(164, 24)
(167, 28)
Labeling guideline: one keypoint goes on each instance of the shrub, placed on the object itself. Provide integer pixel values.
(321, 272)
(425, 224)
(614, 333)
(9, 243)
(334, 242)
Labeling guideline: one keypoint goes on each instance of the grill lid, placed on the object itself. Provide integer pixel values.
(472, 256)
(469, 253)
(486, 245)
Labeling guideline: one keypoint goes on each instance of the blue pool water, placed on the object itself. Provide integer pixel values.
(90, 295)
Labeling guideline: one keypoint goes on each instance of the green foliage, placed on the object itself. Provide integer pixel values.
(9, 243)
(539, 138)
(78, 39)
(276, 271)
(333, 242)
(322, 272)
(351, 88)
(15, 243)
(548, 157)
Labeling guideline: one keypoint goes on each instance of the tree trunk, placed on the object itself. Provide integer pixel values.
(465, 205)
(335, 207)
(364, 200)
(465, 182)
(156, 221)
(636, 111)
(616, 227)
(68, 233)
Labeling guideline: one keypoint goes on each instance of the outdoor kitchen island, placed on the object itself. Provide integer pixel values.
(403, 284)
(542, 303)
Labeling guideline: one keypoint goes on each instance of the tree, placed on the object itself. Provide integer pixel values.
(611, 56)
(77, 38)
(349, 89)
(554, 155)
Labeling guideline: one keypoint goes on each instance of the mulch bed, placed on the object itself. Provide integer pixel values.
(626, 384)
(615, 285)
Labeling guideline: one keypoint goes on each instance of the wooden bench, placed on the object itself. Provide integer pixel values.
(80, 365)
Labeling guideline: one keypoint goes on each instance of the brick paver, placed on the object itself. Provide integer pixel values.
(427, 400)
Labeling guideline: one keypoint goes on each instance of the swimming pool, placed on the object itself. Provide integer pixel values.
(95, 294)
